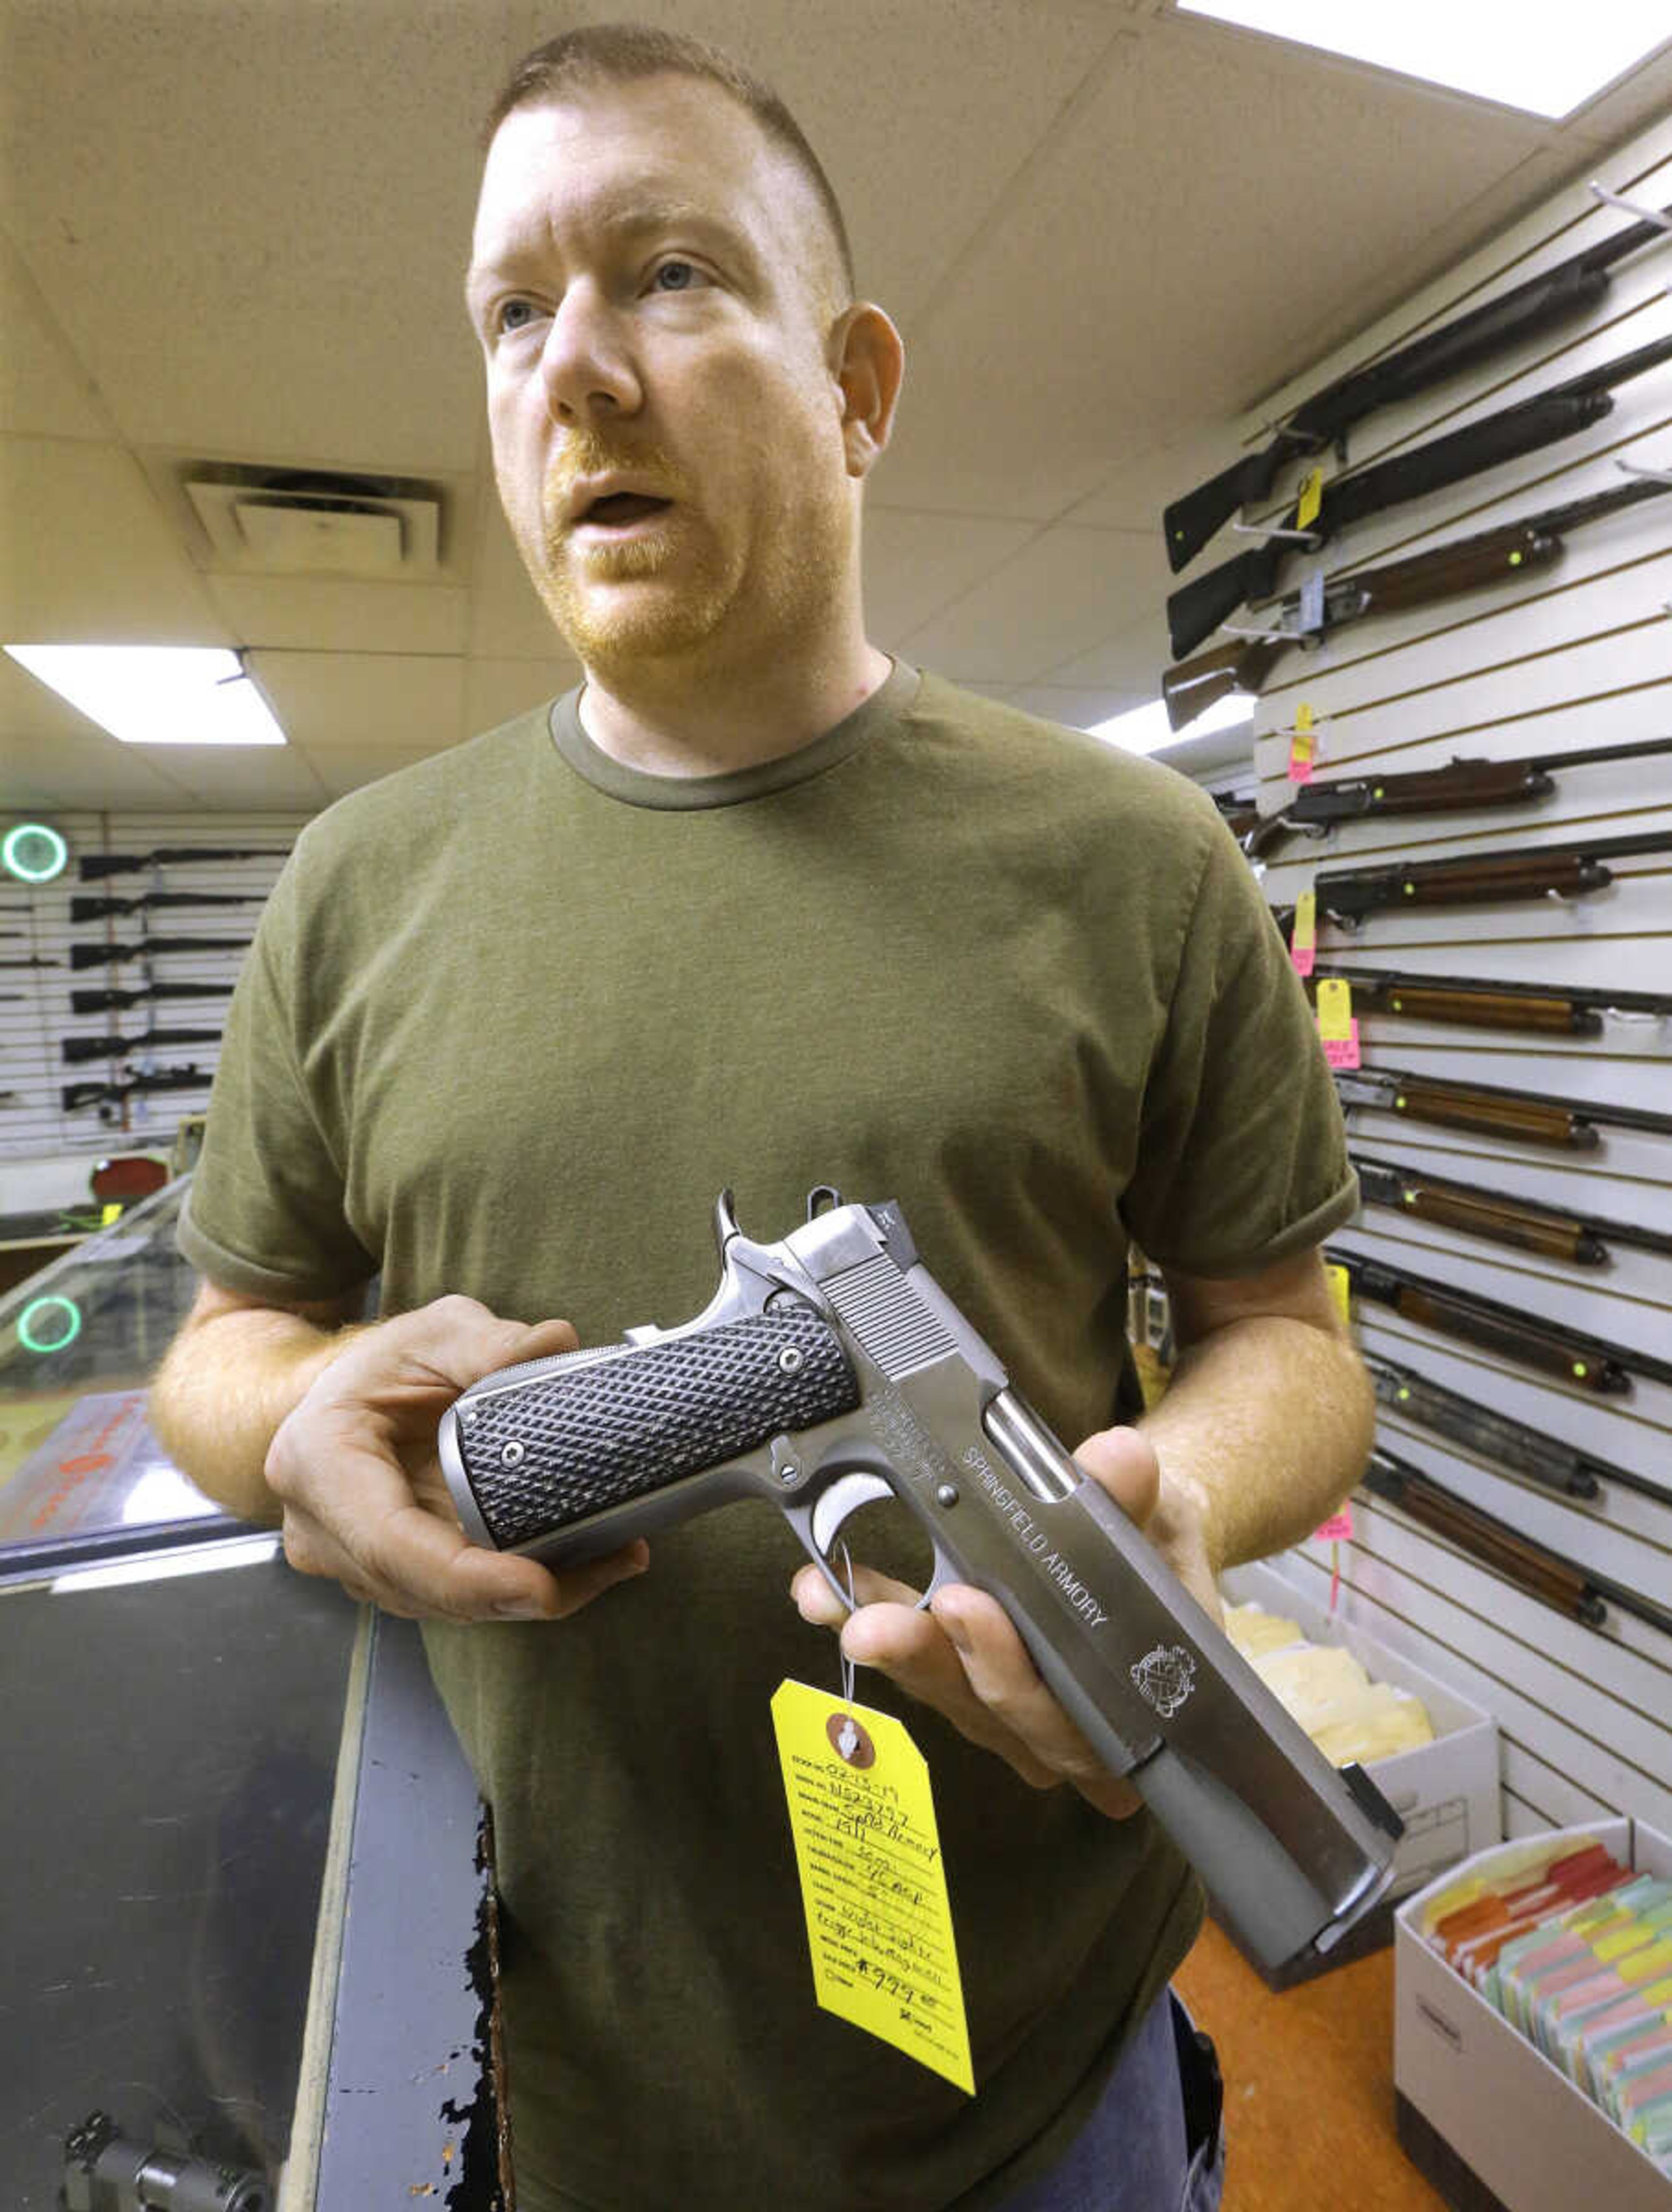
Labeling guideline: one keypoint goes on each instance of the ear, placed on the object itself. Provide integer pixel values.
(867, 361)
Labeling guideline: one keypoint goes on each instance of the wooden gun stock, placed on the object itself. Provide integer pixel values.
(1528, 1123)
(1486, 1009)
(1191, 687)
(1541, 1574)
(1469, 564)
(1520, 1339)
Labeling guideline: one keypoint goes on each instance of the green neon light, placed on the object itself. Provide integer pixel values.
(30, 1335)
(32, 853)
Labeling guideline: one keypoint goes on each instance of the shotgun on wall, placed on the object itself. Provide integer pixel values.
(1196, 609)
(1347, 896)
(1461, 786)
(1542, 1573)
(1493, 1109)
(1501, 1217)
(1509, 554)
(1488, 1003)
(1528, 1340)
(1554, 296)
(1543, 1459)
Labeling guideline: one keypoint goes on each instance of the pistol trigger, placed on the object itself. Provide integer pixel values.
(844, 1497)
(945, 1573)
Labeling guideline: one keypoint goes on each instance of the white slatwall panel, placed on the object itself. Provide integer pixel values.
(1579, 654)
(36, 1010)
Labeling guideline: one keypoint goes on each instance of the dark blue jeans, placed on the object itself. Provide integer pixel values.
(1154, 2142)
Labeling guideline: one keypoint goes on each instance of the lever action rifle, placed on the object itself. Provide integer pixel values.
(1314, 808)
(104, 956)
(1526, 1339)
(1572, 288)
(1542, 1459)
(95, 866)
(189, 1077)
(1490, 1109)
(1498, 1215)
(1507, 554)
(1523, 872)
(1478, 1002)
(99, 909)
(117, 1047)
(1543, 1574)
(1196, 609)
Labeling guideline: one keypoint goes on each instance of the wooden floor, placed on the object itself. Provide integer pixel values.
(1309, 2084)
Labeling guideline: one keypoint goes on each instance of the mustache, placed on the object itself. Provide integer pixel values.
(585, 453)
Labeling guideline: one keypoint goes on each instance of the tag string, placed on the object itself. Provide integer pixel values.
(853, 1602)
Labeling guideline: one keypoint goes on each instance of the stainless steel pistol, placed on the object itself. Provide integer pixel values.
(830, 1371)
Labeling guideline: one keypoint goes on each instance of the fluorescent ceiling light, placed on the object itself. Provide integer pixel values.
(157, 695)
(1546, 60)
(1146, 729)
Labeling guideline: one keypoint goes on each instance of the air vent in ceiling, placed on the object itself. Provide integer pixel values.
(311, 522)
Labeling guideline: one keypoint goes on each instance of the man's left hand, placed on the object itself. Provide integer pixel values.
(963, 1657)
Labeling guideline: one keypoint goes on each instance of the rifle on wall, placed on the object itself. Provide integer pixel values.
(1508, 554)
(1541, 1573)
(1480, 1002)
(96, 866)
(105, 956)
(1527, 1451)
(1500, 1216)
(109, 1001)
(101, 909)
(1492, 1109)
(1346, 896)
(1196, 609)
(1528, 1340)
(117, 1047)
(1314, 809)
(189, 1077)
(1572, 287)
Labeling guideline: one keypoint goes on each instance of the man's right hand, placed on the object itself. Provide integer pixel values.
(356, 1468)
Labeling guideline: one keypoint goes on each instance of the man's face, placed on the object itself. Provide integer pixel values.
(666, 430)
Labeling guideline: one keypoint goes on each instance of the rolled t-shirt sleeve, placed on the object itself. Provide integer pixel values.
(265, 1210)
(1242, 1158)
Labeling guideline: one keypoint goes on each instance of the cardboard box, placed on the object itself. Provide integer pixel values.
(1447, 1792)
(1480, 2108)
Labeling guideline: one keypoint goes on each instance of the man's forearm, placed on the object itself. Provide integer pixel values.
(1265, 1426)
(221, 1392)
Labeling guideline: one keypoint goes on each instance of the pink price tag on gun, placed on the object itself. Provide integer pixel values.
(1338, 1529)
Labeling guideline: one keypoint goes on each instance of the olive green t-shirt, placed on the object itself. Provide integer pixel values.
(513, 1018)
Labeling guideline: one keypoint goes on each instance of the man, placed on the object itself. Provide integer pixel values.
(757, 907)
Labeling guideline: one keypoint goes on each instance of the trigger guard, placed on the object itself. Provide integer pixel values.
(834, 1507)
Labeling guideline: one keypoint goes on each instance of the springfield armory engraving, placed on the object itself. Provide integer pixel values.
(831, 1370)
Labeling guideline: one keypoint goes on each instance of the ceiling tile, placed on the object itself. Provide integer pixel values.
(85, 555)
(404, 700)
(338, 613)
(1064, 592)
(81, 767)
(43, 391)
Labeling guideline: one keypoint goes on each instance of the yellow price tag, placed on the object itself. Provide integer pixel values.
(111, 1210)
(1311, 498)
(1303, 719)
(1304, 936)
(1334, 999)
(880, 1927)
(1340, 1289)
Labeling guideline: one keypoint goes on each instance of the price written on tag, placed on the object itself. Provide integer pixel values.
(1303, 937)
(879, 1925)
(1336, 1025)
(1302, 746)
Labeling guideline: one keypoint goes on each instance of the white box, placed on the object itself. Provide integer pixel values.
(1515, 2120)
(1446, 1792)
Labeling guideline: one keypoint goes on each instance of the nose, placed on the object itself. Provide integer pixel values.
(587, 364)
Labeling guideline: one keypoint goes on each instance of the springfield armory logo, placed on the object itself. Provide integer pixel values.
(1035, 1538)
(1165, 1677)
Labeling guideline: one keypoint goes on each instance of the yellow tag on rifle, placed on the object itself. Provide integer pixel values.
(880, 1927)
(1303, 933)
(1340, 1289)
(1334, 999)
(1302, 746)
(1311, 498)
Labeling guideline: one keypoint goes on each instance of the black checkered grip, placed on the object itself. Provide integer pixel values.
(596, 1437)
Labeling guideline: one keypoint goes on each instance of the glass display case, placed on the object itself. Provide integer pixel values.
(231, 1797)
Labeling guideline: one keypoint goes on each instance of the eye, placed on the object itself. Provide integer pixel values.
(676, 275)
(513, 315)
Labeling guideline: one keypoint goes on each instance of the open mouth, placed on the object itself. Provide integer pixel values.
(617, 510)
